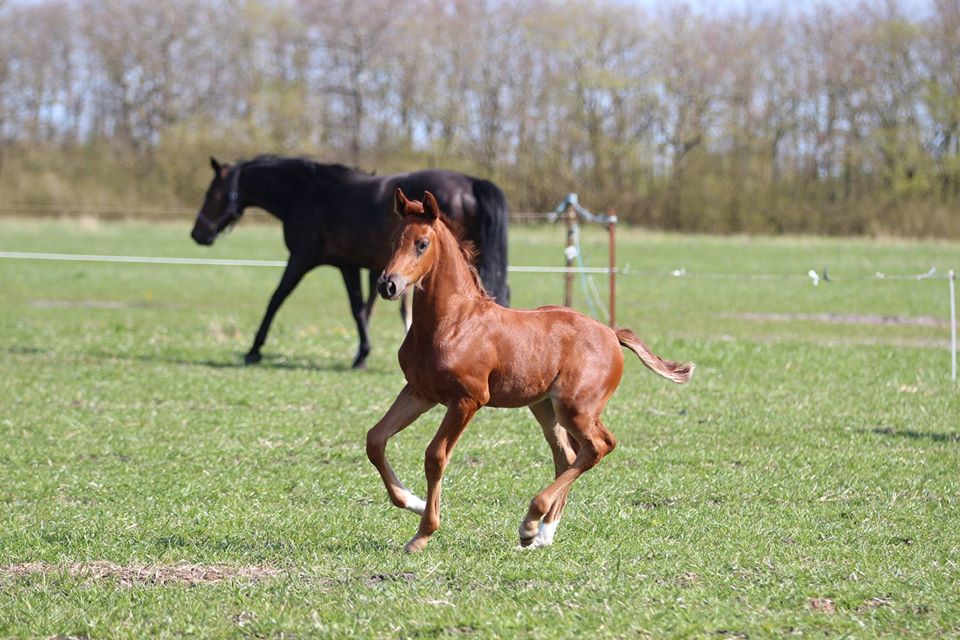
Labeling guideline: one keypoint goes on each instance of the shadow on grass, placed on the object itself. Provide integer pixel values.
(269, 362)
(932, 436)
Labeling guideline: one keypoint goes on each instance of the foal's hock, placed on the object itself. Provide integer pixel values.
(464, 351)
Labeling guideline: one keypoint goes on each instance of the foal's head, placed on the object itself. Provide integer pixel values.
(415, 245)
(221, 206)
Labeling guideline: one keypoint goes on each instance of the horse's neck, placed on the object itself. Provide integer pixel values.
(445, 289)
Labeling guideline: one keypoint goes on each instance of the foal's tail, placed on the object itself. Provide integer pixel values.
(673, 371)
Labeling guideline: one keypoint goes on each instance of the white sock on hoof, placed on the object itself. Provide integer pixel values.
(545, 534)
(415, 504)
(544, 537)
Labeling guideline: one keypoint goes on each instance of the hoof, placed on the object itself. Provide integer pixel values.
(360, 361)
(542, 538)
(252, 358)
(528, 533)
(416, 545)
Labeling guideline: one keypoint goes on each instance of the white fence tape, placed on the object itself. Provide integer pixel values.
(677, 273)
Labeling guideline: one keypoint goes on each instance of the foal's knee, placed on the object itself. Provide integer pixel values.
(595, 449)
(375, 446)
(609, 443)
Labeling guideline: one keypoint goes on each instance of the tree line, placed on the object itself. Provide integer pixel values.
(821, 120)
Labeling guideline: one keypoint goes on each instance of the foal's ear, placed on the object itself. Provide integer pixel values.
(399, 202)
(215, 165)
(430, 206)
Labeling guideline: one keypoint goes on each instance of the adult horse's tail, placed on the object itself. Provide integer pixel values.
(673, 371)
(492, 261)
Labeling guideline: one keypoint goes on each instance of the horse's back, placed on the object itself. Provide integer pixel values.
(453, 190)
(551, 350)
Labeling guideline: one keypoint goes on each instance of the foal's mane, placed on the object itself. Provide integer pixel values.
(467, 249)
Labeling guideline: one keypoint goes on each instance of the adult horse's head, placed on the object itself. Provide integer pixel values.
(414, 250)
(221, 205)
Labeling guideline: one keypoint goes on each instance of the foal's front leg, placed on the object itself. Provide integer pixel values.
(435, 461)
(405, 409)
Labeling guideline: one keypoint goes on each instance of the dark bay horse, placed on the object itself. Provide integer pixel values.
(465, 352)
(342, 217)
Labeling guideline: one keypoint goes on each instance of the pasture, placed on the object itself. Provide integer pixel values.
(806, 481)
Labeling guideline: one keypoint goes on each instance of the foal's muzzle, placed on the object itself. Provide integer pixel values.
(390, 287)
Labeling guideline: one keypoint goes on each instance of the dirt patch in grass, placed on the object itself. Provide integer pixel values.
(144, 574)
(821, 605)
(874, 603)
(379, 578)
(842, 318)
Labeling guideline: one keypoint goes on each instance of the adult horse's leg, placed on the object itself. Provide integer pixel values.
(296, 269)
(372, 294)
(351, 278)
(594, 441)
(405, 409)
(434, 463)
(406, 309)
(564, 453)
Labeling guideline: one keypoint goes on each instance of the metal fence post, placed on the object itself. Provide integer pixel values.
(570, 253)
(612, 226)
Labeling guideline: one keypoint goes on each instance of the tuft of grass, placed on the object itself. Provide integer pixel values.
(805, 482)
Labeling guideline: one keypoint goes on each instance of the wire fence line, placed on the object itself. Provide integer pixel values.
(228, 262)
(152, 213)
(681, 273)
(813, 276)
(932, 274)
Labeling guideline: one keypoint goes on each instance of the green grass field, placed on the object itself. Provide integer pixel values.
(806, 482)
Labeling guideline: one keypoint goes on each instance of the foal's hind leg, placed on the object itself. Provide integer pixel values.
(594, 441)
(563, 456)
(405, 409)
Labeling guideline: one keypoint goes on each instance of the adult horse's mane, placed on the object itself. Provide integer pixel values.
(314, 166)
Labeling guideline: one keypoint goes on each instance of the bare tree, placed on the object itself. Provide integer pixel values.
(830, 118)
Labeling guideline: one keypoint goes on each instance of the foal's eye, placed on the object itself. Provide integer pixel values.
(422, 245)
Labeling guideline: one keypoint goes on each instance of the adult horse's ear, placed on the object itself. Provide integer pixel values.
(399, 202)
(215, 165)
(430, 206)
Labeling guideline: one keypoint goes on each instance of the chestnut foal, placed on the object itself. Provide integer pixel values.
(465, 351)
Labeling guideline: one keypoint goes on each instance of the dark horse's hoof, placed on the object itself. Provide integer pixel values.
(360, 362)
(252, 358)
